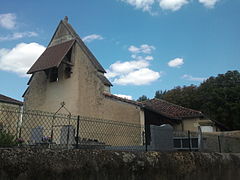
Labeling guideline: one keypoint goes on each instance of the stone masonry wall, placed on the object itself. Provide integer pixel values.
(38, 164)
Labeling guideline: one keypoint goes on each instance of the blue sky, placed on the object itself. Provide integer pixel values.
(145, 45)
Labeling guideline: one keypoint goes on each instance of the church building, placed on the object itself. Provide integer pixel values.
(68, 72)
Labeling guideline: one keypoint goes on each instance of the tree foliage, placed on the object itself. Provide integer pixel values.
(142, 98)
(217, 97)
(160, 94)
(220, 98)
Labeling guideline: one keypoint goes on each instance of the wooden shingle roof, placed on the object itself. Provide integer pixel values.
(51, 57)
(171, 110)
(6, 99)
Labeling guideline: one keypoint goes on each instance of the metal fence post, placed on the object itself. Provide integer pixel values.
(77, 136)
(200, 139)
(146, 138)
(219, 144)
(52, 125)
(68, 132)
(20, 132)
(189, 140)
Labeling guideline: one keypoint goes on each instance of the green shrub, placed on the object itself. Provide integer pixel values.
(6, 139)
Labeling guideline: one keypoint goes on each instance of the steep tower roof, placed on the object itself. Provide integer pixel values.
(60, 44)
(65, 32)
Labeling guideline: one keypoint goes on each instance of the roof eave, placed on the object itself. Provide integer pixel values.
(116, 98)
(31, 72)
(15, 103)
(56, 66)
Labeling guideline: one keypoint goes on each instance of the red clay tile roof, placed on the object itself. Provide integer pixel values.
(136, 103)
(9, 100)
(51, 57)
(162, 107)
(170, 110)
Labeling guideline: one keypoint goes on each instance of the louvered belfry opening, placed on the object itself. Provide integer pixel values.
(66, 66)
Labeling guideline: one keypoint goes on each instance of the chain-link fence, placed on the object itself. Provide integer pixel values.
(222, 142)
(43, 129)
(39, 129)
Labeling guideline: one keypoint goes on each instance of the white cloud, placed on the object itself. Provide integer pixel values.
(127, 66)
(149, 58)
(20, 58)
(92, 37)
(139, 77)
(208, 3)
(191, 78)
(133, 49)
(18, 35)
(177, 62)
(136, 71)
(172, 5)
(8, 20)
(147, 49)
(110, 74)
(144, 48)
(145, 5)
(124, 96)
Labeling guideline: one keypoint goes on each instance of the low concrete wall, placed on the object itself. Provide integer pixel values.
(39, 164)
